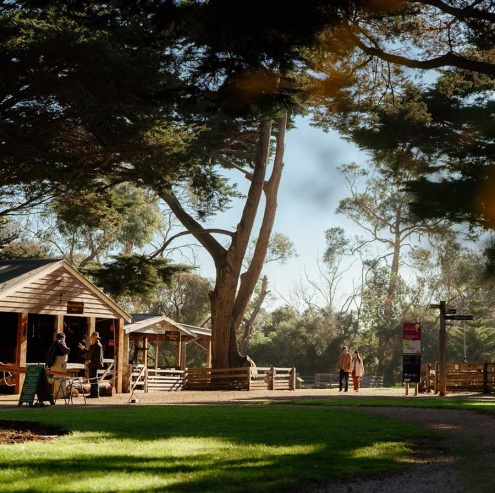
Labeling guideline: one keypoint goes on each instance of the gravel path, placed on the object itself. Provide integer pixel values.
(441, 465)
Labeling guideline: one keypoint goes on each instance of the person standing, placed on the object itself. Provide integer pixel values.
(344, 367)
(56, 360)
(357, 370)
(93, 361)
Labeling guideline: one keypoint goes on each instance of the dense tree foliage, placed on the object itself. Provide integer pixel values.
(163, 95)
(166, 95)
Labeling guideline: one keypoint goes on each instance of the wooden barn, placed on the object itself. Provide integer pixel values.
(158, 351)
(39, 298)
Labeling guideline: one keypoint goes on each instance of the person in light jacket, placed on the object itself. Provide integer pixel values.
(344, 367)
(357, 370)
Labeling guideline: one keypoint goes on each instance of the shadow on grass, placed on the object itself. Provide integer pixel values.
(205, 448)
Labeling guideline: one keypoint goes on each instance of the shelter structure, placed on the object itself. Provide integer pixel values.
(160, 329)
(39, 298)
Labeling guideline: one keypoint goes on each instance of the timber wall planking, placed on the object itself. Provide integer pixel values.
(50, 294)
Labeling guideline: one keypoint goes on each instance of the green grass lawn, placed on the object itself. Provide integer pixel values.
(202, 448)
(478, 404)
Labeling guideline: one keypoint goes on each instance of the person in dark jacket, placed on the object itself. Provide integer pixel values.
(57, 360)
(94, 361)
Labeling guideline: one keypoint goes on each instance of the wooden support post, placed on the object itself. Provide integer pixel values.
(145, 361)
(442, 343)
(157, 350)
(407, 388)
(59, 325)
(485, 378)
(119, 354)
(208, 353)
(89, 330)
(21, 349)
(428, 378)
(183, 353)
(178, 353)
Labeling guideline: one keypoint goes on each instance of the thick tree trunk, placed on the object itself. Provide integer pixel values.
(224, 344)
(232, 291)
(249, 323)
(386, 334)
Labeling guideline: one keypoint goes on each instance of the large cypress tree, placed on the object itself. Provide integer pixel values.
(163, 94)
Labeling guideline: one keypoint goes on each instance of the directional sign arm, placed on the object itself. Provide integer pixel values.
(459, 317)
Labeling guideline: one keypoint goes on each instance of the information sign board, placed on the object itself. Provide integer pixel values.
(35, 384)
(411, 352)
(411, 364)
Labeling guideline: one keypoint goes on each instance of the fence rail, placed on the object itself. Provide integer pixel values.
(245, 378)
(461, 376)
(271, 378)
(217, 379)
(331, 380)
(149, 379)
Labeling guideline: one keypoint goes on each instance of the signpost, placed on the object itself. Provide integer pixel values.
(446, 313)
(35, 383)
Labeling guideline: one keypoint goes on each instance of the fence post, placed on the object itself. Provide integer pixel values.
(428, 377)
(436, 377)
(485, 378)
(249, 378)
(271, 378)
(292, 379)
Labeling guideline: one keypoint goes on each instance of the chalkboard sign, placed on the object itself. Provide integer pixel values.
(35, 383)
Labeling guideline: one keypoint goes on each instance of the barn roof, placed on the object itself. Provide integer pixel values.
(17, 274)
(159, 324)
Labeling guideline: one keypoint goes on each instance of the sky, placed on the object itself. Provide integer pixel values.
(309, 193)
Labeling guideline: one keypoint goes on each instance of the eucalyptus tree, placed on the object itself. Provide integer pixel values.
(279, 250)
(92, 225)
(451, 44)
(185, 300)
(310, 341)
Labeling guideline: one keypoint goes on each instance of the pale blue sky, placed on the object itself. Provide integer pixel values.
(309, 194)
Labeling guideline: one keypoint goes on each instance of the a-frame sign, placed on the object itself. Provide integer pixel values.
(35, 384)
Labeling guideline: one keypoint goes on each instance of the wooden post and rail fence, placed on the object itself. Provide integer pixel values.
(460, 377)
(245, 378)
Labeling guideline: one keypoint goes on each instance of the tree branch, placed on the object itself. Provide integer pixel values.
(165, 245)
(465, 13)
(448, 59)
(213, 247)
